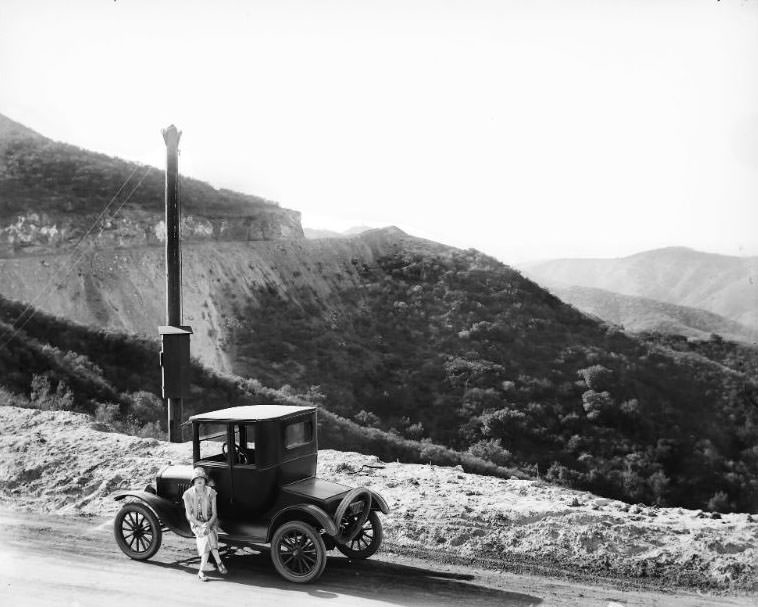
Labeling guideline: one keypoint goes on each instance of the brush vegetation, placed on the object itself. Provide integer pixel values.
(55, 364)
(455, 347)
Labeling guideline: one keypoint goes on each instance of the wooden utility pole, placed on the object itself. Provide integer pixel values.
(173, 365)
(173, 256)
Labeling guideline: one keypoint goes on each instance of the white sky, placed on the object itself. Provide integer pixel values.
(526, 129)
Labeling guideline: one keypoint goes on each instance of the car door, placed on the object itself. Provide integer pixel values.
(212, 453)
(252, 482)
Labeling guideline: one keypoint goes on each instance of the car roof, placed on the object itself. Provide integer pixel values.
(250, 413)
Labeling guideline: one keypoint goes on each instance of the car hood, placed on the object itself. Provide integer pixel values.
(176, 472)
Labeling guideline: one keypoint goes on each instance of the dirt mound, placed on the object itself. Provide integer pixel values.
(64, 462)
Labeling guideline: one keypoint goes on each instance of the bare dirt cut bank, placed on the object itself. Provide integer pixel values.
(63, 462)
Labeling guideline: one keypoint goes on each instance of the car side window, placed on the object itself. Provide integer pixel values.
(297, 434)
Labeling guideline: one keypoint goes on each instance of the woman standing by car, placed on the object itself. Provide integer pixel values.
(200, 509)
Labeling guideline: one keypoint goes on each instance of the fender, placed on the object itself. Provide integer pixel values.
(378, 503)
(314, 511)
(167, 512)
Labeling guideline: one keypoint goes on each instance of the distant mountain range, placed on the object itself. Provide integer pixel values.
(645, 315)
(721, 284)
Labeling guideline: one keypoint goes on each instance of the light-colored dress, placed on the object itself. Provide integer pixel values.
(200, 503)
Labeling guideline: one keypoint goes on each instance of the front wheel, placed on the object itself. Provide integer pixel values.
(298, 552)
(137, 531)
(367, 541)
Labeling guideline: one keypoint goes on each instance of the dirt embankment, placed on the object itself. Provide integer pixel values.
(122, 288)
(62, 462)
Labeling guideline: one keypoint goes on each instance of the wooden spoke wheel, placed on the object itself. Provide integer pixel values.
(298, 552)
(368, 539)
(137, 530)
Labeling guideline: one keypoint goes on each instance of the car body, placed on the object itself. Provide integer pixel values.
(262, 461)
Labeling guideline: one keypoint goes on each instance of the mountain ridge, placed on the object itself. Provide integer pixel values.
(722, 284)
(642, 314)
(52, 193)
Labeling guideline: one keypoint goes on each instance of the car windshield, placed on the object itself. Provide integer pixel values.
(212, 438)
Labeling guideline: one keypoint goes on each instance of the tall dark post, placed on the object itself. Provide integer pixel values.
(173, 265)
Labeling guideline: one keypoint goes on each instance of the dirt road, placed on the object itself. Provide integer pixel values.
(62, 561)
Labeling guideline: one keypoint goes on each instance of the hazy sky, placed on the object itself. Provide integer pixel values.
(526, 129)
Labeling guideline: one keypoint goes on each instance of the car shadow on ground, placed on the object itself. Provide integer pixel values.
(370, 579)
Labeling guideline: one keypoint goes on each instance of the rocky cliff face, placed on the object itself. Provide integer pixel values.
(48, 232)
(53, 194)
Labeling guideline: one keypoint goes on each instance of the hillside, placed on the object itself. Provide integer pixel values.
(123, 288)
(431, 342)
(417, 349)
(442, 513)
(722, 284)
(452, 345)
(51, 193)
(58, 365)
(642, 314)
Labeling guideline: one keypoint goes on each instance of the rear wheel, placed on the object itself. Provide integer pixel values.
(298, 552)
(367, 541)
(137, 531)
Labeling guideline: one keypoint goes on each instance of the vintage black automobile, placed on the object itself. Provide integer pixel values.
(262, 461)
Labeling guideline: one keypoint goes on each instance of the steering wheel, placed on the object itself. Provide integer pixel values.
(239, 454)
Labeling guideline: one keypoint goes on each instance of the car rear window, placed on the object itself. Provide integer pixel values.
(298, 433)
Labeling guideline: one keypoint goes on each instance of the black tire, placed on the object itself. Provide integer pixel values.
(367, 541)
(137, 531)
(298, 552)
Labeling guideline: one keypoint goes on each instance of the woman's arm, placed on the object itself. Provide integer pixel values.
(214, 512)
(188, 511)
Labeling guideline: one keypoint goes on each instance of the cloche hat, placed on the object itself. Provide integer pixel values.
(199, 473)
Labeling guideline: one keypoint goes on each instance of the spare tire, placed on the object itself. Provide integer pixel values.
(345, 534)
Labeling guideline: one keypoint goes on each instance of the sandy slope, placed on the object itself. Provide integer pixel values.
(62, 462)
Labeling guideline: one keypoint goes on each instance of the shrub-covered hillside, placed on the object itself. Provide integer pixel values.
(55, 365)
(457, 347)
(40, 174)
